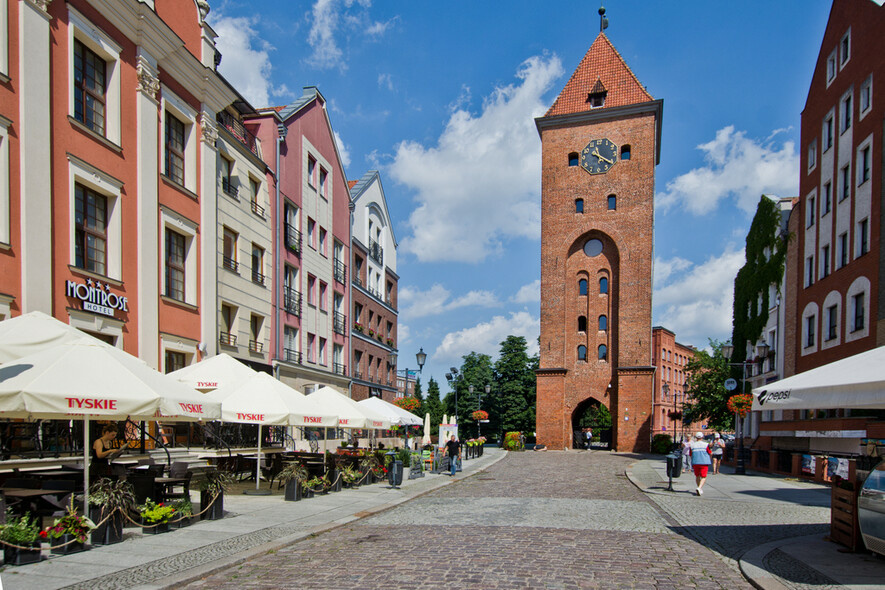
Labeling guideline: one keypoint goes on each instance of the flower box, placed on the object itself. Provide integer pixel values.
(155, 529)
(63, 545)
(179, 522)
(292, 491)
(109, 532)
(15, 556)
(216, 510)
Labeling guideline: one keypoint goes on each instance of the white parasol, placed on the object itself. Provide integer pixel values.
(214, 372)
(392, 412)
(350, 413)
(425, 440)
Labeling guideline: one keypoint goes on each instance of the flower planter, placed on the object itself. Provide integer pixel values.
(216, 510)
(292, 491)
(14, 556)
(108, 533)
(63, 545)
(307, 494)
(155, 529)
(179, 522)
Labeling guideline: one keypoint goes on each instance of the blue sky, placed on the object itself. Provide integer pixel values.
(441, 97)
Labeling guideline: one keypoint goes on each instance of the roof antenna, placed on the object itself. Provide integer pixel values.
(603, 22)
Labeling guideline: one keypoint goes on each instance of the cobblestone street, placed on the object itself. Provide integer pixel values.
(533, 520)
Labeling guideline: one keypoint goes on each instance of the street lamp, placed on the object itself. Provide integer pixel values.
(666, 391)
(727, 351)
(453, 377)
(488, 388)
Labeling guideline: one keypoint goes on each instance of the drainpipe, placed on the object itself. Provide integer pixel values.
(350, 208)
(278, 272)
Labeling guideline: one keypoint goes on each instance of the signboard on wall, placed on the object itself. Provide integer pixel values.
(97, 297)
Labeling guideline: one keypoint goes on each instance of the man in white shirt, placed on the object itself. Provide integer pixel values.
(700, 460)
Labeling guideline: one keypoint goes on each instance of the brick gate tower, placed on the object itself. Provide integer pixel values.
(600, 144)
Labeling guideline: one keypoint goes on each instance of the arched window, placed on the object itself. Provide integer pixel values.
(603, 285)
(625, 152)
(579, 205)
(573, 159)
(603, 352)
(582, 287)
(612, 202)
(582, 323)
(582, 353)
(603, 323)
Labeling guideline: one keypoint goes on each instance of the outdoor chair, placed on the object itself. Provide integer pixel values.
(272, 468)
(56, 504)
(178, 491)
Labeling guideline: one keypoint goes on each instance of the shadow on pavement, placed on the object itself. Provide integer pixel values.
(732, 541)
(804, 498)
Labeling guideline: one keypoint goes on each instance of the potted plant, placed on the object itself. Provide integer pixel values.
(155, 517)
(184, 511)
(21, 539)
(350, 476)
(68, 534)
(109, 501)
(212, 494)
(368, 464)
(293, 475)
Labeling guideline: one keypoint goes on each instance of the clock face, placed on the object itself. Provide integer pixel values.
(599, 156)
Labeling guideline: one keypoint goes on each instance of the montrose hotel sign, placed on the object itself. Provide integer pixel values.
(96, 297)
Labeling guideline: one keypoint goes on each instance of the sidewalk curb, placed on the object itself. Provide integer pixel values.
(208, 569)
(757, 575)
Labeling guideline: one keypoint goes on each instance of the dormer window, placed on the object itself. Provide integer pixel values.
(596, 96)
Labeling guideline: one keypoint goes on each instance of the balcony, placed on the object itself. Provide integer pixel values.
(257, 209)
(292, 356)
(292, 302)
(339, 323)
(230, 264)
(229, 188)
(357, 374)
(293, 239)
(257, 277)
(256, 346)
(339, 369)
(239, 131)
(357, 281)
(376, 252)
(227, 339)
(340, 271)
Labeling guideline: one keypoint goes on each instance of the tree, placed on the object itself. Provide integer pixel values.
(433, 405)
(705, 393)
(417, 393)
(513, 404)
(476, 371)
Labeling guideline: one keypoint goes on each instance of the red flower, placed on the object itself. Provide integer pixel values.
(43, 534)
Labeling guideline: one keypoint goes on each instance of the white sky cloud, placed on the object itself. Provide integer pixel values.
(342, 150)
(415, 303)
(695, 301)
(486, 337)
(530, 293)
(480, 184)
(737, 168)
(246, 68)
(326, 53)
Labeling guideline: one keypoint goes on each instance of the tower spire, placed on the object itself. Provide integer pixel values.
(603, 22)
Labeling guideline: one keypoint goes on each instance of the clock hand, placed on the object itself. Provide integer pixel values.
(604, 159)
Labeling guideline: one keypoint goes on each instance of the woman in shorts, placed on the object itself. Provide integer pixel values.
(700, 460)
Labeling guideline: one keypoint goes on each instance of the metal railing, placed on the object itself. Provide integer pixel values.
(292, 356)
(229, 188)
(339, 368)
(257, 277)
(376, 251)
(256, 346)
(293, 238)
(257, 209)
(229, 263)
(292, 301)
(339, 323)
(227, 339)
(340, 271)
(238, 130)
(357, 373)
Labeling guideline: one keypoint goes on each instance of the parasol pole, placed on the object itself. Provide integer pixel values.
(86, 466)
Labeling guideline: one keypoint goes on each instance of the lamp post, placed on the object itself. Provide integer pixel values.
(665, 388)
(453, 378)
(727, 351)
(420, 358)
(488, 388)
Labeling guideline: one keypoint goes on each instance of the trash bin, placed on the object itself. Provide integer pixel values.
(395, 473)
(674, 465)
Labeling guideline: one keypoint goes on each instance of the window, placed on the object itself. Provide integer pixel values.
(290, 342)
(357, 312)
(863, 237)
(612, 202)
(323, 177)
(582, 353)
(257, 264)
(573, 159)
(322, 234)
(825, 261)
(846, 183)
(603, 323)
(174, 149)
(90, 241)
(582, 323)
(828, 198)
(828, 133)
(256, 342)
(311, 170)
(175, 259)
(812, 155)
(322, 296)
(311, 348)
(809, 271)
(311, 233)
(227, 179)
(866, 96)
(89, 87)
(5, 228)
(322, 351)
(173, 361)
(311, 290)
(603, 285)
(582, 287)
(845, 114)
(858, 302)
(255, 194)
(625, 152)
(809, 331)
(845, 49)
(603, 352)
(863, 172)
(843, 249)
(831, 67)
(811, 212)
(229, 250)
(832, 321)
(228, 323)
(579, 205)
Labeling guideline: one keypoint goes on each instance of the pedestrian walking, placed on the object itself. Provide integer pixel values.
(700, 460)
(589, 436)
(453, 450)
(718, 446)
(686, 456)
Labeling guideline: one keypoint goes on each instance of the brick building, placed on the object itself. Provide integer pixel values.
(600, 144)
(374, 329)
(669, 358)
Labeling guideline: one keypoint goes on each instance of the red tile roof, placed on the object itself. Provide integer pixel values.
(351, 183)
(602, 64)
